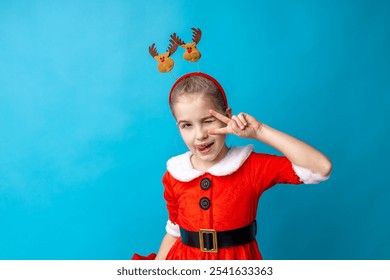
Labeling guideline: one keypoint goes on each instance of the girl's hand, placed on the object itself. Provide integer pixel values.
(242, 125)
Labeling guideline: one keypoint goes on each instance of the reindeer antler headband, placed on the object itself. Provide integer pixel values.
(165, 63)
(191, 54)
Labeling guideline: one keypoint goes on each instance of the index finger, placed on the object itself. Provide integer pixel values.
(219, 116)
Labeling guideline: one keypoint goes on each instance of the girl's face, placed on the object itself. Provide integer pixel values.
(194, 121)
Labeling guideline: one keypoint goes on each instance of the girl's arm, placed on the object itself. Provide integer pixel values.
(297, 151)
(165, 246)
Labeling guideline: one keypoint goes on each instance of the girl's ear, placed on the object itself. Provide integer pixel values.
(228, 112)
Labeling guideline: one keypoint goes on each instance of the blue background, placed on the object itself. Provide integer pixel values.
(85, 129)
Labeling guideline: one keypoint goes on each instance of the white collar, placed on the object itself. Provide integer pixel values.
(181, 169)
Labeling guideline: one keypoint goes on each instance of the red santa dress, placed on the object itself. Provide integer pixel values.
(229, 201)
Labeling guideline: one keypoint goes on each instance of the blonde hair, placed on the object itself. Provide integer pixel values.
(197, 85)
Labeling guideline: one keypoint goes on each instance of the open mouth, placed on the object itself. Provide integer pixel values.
(205, 148)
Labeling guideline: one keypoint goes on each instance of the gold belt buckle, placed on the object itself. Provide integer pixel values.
(201, 240)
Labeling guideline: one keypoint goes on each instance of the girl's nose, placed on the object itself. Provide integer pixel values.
(201, 133)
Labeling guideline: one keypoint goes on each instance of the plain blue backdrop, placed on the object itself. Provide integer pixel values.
(85, 129)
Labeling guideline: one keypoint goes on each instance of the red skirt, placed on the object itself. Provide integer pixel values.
(248, 251)
(151, 256)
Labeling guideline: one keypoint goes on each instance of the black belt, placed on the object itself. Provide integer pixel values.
(209, 240)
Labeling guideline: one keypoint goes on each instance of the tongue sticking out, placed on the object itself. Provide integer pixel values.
(203, 148)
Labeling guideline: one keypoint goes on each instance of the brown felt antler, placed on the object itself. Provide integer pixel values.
(176, 39)
(153, 51)
(172, 47)
(196, 35)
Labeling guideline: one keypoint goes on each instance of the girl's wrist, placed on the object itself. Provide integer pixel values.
(260, 132)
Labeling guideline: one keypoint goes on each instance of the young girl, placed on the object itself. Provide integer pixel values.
(212, 191)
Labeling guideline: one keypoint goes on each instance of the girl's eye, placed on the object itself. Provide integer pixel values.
(185, 125)
(209, 120)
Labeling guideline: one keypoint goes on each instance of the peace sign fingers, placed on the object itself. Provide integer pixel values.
(219, 116)
(222, 118)
(242, 125)
(233, 125)
(220, 131)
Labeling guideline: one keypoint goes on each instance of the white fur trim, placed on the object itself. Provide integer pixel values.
(181, 169)
(232, 161)
(172, 229)
(307, 176)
